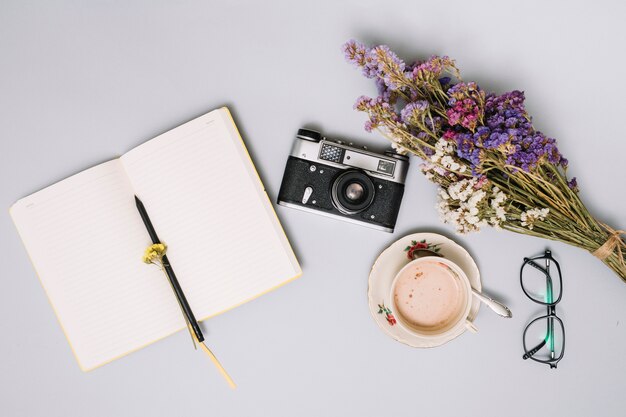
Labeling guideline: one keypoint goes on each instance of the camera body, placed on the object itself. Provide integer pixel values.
(339, 180)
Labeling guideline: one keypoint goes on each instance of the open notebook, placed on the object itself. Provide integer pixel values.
(207, 203)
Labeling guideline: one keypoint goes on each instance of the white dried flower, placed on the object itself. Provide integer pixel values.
(442, 148)
(399, 148)
(450, 163)
(532, 216)
(498, 198)
(461, 205)
(445, 156)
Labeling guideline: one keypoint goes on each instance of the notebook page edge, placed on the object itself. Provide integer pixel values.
(65, 182)
(13, 212)
(56, 314)
(262, 193)
(183, 129)
(86, 362)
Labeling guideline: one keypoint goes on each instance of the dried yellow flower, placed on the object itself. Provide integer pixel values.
(154, 253)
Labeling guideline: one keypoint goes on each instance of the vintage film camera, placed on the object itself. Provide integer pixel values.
(337, 179)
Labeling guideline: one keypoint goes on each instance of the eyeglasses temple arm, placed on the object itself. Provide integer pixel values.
(536, 266)
(550, 309)
(534, 350)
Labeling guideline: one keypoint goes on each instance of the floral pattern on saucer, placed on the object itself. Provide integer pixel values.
(394, 258)
(415, 247)
(388, 314)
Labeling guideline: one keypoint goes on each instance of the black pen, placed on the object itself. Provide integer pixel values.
(182, 300)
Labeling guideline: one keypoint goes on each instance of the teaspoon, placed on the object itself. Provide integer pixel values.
(496, 306)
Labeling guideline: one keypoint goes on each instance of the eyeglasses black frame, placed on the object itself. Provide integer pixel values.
(551, 316)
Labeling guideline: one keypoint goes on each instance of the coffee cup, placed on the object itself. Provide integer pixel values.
(432, 297)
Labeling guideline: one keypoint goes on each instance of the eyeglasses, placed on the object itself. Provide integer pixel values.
(544, 337)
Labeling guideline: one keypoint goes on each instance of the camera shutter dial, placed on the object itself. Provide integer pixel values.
(311, 135)
(396, 155)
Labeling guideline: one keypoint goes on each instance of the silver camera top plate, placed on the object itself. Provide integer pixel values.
(341, 155)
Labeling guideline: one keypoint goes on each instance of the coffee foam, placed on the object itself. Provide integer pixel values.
(428, 296)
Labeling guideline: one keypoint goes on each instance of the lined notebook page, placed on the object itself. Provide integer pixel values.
(85, 239)
(208, 205)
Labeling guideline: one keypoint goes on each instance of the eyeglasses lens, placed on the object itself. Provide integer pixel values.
(541, 280)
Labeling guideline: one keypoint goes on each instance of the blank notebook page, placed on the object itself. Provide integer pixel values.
(86, 241)
(208, 205)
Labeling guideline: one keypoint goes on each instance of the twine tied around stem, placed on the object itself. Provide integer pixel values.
(614, 241)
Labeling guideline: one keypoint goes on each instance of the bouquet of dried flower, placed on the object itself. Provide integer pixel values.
(492, 166)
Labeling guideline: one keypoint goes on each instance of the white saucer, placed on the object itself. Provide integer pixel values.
(391, 260)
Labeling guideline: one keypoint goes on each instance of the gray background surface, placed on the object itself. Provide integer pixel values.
(82, 82)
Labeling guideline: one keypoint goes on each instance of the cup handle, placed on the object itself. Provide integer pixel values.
(470, 326)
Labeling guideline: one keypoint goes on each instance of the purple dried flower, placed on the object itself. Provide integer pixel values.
(389, 66)
(385, 92)
(465, 147)
(495, 140)
(386, 58)
(414, 109)
(362, 103)
(379, 110)
(432, 68)
(507, 128)
(513, 100)
(476, 122)
(359, 55)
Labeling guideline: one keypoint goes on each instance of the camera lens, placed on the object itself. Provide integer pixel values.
(352, 192)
